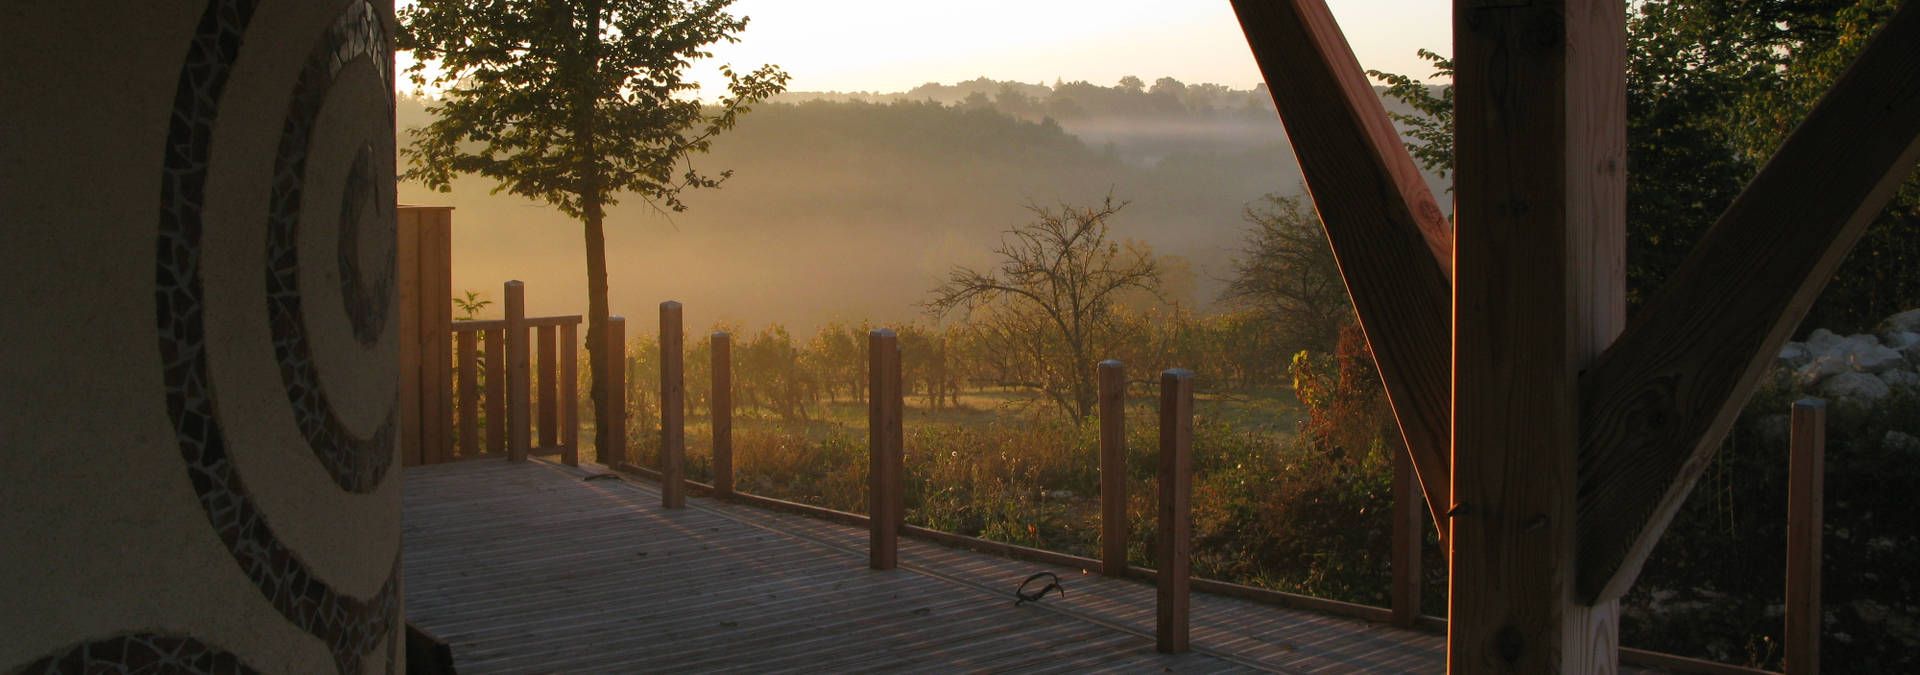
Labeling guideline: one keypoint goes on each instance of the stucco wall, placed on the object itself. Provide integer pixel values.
(197, 362)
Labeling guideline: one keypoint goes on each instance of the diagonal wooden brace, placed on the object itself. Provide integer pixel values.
(1392, 242)
(1659, 402)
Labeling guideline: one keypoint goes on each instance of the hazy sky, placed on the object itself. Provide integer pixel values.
(894, 45)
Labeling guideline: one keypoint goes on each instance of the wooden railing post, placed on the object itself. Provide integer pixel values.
(613, 420)
(1176, 522)
(465, 357)
(673, 395)
(1806, 476)
(549, 387)
(519, 436)
(1113, 468)
(885, 403)
(1409, 513)
(720, 405)
(570, 393)
(497, 390)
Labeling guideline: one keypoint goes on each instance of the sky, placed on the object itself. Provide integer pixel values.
(895, 45)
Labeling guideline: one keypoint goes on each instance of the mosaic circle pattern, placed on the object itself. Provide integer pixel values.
(350, 627)
(356, 463)
(367, 303)
(141, 653)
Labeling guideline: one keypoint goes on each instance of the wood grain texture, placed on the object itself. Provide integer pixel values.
(721, 408)
(570, 393)
(1114, 525)
(407, 290)
(526, 567)
(1538, 292)
(1173, 547)
(1409, 523)
(1806, 497)
(519, 373)
(466, 373)
(886, 491)
(549, 385)
(436, 303)
(673, 408)
(1659, 402)
(497, 389)
(1393, 243)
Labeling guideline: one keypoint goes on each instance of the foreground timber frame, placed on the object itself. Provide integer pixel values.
(1553, 440)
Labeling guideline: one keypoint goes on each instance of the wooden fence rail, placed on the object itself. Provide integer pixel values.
(493, 386)
(500, 353)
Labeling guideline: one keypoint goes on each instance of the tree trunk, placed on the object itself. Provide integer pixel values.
(593, 211)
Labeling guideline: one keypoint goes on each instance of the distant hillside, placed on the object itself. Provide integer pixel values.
(853, 209)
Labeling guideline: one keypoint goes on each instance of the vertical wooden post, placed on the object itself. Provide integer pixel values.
(885, 403)
(615, 452)
(1806, 479)
(1409, 515)
(720, 405)
(570, 393)
(673, 402)
(1539, 291)
(1113, 468)
(549, 388)
(439, 268)
(497, 390)
(1173, 549)
(519, 436)
(409, 289)
(467, 355)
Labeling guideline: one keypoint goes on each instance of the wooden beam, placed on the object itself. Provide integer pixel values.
(885, 439)
(1114, 526)
(1393, 244)
(673, 408)
(519, 372)
(1659, 402)
(1806, 489)
(1539, 289)
(1409, 514)
(1173, 550)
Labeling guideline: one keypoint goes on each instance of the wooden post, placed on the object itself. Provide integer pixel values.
(1409, 514)
(408, 291)
(1113, 468)
(720, 405)
(1539, 291)
(1806, 478)
(1174, 546)
(885, 403)
(673, 402)
(497, 390)
(467, 341)
(549, 388)
(570, 393)
(615, 452)
(519, 436)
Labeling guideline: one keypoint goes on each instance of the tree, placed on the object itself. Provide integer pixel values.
(1052, 294)
(1713, 88)
(574, 102)
(1288, 274)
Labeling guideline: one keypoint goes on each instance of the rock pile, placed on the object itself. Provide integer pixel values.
(1858, 369)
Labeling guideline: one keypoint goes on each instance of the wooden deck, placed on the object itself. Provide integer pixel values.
(531, 568)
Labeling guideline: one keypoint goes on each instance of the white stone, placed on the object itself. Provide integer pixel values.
(1819, 369)
(1859, 387)
(1899, 440)
(1904, 322)
(1795, 354)
(1823, 341)
(1901, 379)
(1899, 340)
(1875, 359)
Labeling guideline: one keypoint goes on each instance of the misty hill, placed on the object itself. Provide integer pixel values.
(851, 208)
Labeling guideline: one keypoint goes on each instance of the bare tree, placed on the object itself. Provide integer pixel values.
(1053, 293)
(1288, 274)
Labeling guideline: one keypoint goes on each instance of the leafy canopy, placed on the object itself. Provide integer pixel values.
(573, 102)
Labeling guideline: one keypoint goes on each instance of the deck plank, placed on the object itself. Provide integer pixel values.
(529, 568)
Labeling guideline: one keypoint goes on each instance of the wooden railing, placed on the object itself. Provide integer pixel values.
(518, 378)
(885, 518)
